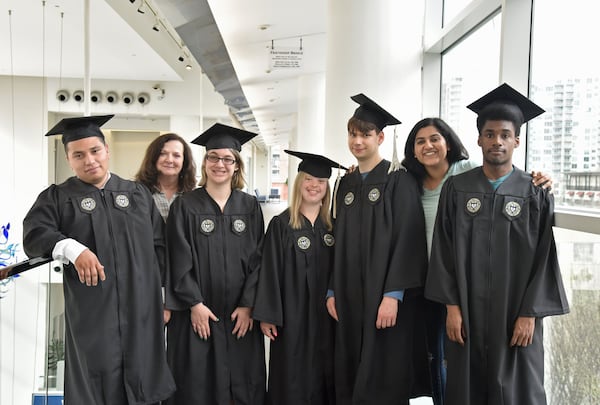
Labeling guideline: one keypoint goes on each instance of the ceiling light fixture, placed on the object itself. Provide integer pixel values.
(188, 67)
(156, 26)
(141, 7)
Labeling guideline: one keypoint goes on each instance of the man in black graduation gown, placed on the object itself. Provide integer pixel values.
(494, 265)
(379, 271)
(108, 234)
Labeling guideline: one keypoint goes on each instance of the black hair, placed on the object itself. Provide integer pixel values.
(500, 111)
(456, 150)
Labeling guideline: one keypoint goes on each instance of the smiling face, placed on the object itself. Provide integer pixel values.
(431, 149)
(313, 189)
(221, 171)
(498, 141)
(170, 159)
(364, 145)
(88, 157)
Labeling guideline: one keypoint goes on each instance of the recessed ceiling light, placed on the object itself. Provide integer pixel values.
(263, 27)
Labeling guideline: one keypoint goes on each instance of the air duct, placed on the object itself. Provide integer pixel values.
(62, 96)
(78, 96)
(127, 98)
(96, 97)
(143, 98)
(112, 97)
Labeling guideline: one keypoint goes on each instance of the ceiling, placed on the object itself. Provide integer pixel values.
(46, 39)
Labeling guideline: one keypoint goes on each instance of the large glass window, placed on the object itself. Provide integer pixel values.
(469, 69)
(565, 81)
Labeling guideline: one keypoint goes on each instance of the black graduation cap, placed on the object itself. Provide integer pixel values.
(73, 129)
(221, 136)
(370, 111)
(315, 165)
(504, 94)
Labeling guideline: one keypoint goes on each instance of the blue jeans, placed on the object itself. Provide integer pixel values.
(436, 338)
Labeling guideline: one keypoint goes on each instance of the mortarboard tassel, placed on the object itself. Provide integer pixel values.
(335, 190)
(395, 162)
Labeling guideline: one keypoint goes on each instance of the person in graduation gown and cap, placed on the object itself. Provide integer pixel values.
(213, 234)
(433, 152)
(379, 271)
(297, 258)
(494, 265)
(109, 236)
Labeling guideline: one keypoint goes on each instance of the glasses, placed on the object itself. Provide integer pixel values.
(227, 160)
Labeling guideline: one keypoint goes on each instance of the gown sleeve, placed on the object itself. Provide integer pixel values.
(269, 306)
(408, 260)
(441, 285)
(252, 272)
(545, 294)
(41, 225)
(183, 289)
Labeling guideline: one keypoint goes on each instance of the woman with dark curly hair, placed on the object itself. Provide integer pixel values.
(168, 170)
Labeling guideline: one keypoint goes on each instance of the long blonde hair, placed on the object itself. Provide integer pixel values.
(239, 177)
(296, 220)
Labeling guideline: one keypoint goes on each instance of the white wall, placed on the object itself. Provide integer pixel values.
(381, 58)
(24, 174)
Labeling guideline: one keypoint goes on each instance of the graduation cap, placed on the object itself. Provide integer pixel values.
(504, 95)
(315, 165)
(221, 136)
(73, 129)
(370, 111)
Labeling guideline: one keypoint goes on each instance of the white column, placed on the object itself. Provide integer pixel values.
(373, 48)
(515, 44)
(310, 128)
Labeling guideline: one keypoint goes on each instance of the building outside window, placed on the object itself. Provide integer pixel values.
(463, 80)
(565, 81)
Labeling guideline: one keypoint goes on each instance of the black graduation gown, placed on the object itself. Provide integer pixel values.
(214, 259)
(114, 331)
(494, 254)
(380, 248)
(293, 282)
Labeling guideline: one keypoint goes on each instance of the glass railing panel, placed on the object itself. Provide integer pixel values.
(572, 350)
(31, 333)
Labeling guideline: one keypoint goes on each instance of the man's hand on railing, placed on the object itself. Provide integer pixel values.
(89, 268)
